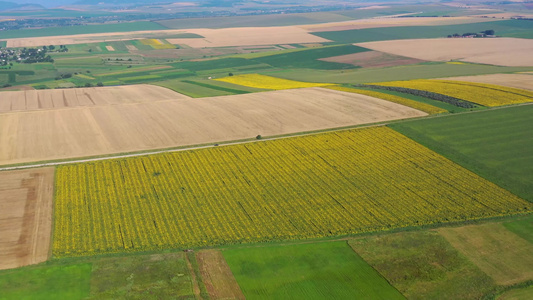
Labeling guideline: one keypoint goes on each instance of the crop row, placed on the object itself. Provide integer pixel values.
(331, 184)
(483, 94)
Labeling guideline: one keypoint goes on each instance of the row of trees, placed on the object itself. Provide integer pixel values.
(435, 96)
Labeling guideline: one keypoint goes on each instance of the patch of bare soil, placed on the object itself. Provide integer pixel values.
(217, 276)
(25, 216)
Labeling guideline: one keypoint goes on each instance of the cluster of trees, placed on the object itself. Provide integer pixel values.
(439, 97)
(484, 33)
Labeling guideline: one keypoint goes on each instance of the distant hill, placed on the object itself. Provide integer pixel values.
(4, 5)
(96, 2)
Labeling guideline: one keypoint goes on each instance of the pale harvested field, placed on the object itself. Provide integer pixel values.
(498, 252)
(391, 22)
(25, 216)
(95, 96)
(217, 276)
(496, 51)
(96, 130)
(246, 36)
(110, 48)
(249, 36)
(373, 59)
(519, 81)
(90, 38)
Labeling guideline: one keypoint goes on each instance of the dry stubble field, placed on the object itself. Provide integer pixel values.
(248, 36)
(519, 81)
(95, 96)
(25, 216)
(495, 250)
(512, 52)
(30, 136)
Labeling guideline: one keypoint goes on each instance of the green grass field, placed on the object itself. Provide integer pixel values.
(46, 282)
(423, 265)
(309, 58)
(522, 227)
(518, 294)
(84, 29)
(420, 71)
(308, 271)
(214, 64)
(254, 21)
(80, 61)
(496, 144)
(156, 276)
(224, 86)
(502, 28)
(191, 90)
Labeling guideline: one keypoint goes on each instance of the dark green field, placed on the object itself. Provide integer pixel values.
(254, 21)
(502, 28)
(308, 271)
(309, 58)
(495, 144)
(84, 29)
(420, 71)
(522, 227)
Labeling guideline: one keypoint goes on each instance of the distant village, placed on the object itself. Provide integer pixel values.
(28, 55)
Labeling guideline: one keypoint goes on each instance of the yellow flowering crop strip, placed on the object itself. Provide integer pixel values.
(330, 184)
(151, 42)
(269, 82)
(483, 94)
(430, 109)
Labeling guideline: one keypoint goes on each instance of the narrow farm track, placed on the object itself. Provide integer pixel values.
(75, 161)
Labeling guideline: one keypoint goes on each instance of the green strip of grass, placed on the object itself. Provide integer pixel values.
(420, 71)
(214, 87)
(191, 90)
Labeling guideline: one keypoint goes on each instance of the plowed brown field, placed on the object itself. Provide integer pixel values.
(25, 216)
